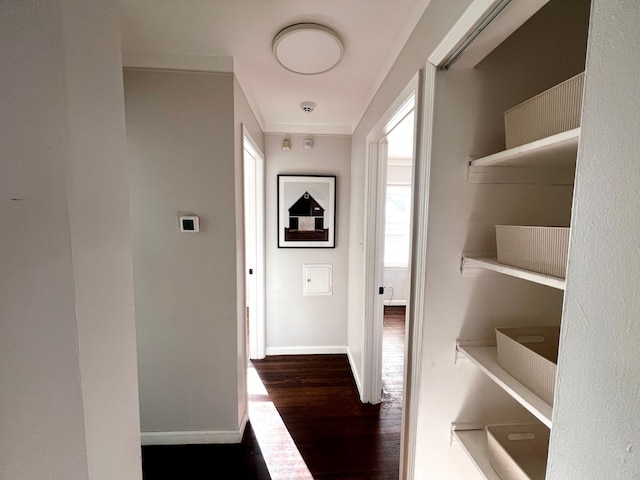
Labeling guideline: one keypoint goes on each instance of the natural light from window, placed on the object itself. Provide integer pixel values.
(397, 226)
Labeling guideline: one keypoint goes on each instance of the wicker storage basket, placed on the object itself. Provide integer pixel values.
(530, 355)
(538, 249)
(553, 111)
(518, 452)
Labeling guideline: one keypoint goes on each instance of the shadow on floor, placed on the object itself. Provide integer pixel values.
(206, 462)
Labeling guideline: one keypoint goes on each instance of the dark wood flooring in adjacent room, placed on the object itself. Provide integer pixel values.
(337, 436)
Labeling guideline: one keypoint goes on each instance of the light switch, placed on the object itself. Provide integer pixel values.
(190, 223)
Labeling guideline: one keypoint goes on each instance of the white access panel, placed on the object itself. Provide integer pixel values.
(317, 279)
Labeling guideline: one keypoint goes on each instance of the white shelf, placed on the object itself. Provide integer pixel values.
(491, 264)
(486, 357)
(474, 443)
(556, 151)
(549, 161)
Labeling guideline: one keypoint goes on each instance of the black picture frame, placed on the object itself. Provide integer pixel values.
(306, 211)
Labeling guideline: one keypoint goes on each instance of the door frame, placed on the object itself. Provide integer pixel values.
(376, 155)
(257, 321)
(422, 88)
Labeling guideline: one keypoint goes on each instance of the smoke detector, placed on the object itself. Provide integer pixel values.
(308, 107)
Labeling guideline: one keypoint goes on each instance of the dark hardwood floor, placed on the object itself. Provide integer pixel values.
(337, 436)
(315, 395)
(242, 461)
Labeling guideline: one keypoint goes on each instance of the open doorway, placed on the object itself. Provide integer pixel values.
(382, 140)
(253, 166)
(397, 255)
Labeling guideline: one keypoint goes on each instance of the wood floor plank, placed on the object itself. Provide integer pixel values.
(338, 436)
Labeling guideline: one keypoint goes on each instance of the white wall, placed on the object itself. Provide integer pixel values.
(295, 323)
(68, 381)
(396, 283)
(596, 428)
(435, 22)
(243, 115)
(180, 130)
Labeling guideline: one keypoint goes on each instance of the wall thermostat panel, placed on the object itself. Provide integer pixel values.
(190, 223)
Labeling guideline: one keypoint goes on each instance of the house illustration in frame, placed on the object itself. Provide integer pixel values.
(306, 221)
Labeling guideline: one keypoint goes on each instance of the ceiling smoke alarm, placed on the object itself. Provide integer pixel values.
(308, 107)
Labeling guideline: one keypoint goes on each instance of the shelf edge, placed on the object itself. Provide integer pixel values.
(474, 443)
(524, 396)
(492, 265)
(553, 142)
(520, 175)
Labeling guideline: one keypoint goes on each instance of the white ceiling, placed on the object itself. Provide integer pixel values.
(236, 35)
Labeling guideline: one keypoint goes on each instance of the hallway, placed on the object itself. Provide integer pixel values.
(336, 435)
(315, 397)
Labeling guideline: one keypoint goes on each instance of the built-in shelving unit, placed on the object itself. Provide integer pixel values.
(470, 264)
(550, 160)
(474, 443)
(538, 178)
(486, 358)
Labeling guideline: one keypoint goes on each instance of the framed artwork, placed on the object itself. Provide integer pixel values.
(306, 211)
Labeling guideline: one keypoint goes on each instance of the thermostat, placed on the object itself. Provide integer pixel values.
(190, 223)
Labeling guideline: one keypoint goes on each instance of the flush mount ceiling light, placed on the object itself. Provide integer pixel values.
(308, 48)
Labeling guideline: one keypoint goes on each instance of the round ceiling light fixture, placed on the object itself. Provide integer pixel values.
(308, 48)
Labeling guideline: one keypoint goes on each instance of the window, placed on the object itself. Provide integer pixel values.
(397, 226)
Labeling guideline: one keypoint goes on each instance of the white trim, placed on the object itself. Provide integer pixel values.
(416, 310)
(177, 61)
(374, 276)
(354, 372)
(243, 422)
(374, 239)
(395, 303)
(464, 26)
(396, 268)
(203, 437)
(308, 129)
(508, 21)
(257, 343)
(308, 350)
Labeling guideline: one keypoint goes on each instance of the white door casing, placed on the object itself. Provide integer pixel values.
(376, 168)
(253, 166)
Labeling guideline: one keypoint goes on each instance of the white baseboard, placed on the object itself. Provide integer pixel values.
(395, 303)
(243, 423)
(198, 437)
(354, 372)
(324, 350)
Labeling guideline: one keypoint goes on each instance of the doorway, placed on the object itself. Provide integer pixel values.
(253, 168)
(397, 255)
(382, 140)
